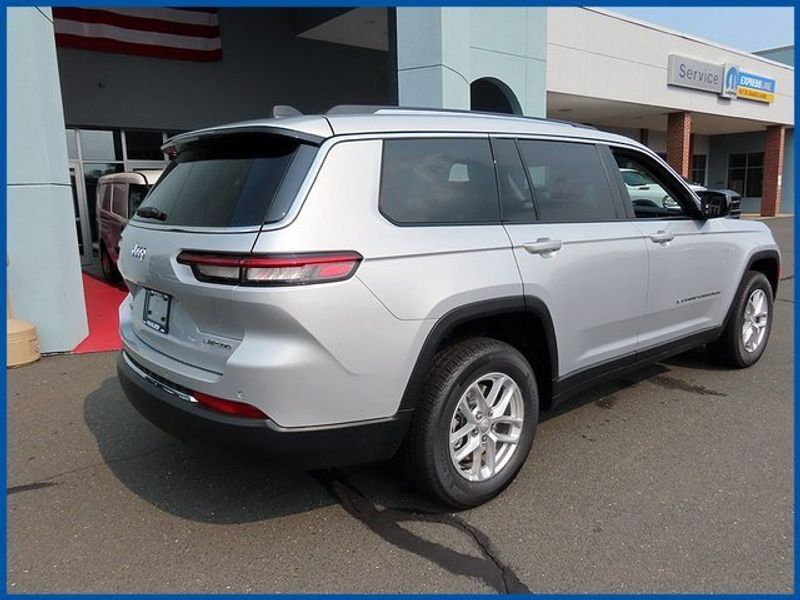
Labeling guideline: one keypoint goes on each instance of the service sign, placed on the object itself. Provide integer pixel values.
(695, 74)
(726, 80)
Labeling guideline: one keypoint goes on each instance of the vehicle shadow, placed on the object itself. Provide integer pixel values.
(221, 486)
(206, 484)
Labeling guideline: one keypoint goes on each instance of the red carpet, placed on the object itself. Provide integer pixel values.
(102, 302)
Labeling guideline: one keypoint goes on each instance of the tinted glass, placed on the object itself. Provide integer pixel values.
(515, 193)
(569, 182)
(438, 181)
(662, 198)
(222, 182)
(144, 145)
(737, 160)
(136, 194)
(635, 178)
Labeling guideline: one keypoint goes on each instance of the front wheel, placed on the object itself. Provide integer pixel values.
(746, 334)
(475, 423)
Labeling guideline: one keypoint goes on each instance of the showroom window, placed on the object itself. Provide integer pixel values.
(746, 173)
(699, 169)
(96, 152)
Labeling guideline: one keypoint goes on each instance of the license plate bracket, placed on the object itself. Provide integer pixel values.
(156, 310)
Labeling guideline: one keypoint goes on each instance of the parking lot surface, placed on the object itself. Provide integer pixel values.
(678, 478)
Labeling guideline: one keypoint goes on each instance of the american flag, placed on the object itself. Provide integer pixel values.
(176, 33)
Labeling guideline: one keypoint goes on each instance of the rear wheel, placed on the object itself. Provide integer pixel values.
(475, 423)
(747, 331)
(110, 272)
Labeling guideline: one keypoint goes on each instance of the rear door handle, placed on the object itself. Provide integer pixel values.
(662, 237)
(543, 246)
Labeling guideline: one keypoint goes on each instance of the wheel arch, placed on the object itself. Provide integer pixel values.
(767, 262)
(523, 321)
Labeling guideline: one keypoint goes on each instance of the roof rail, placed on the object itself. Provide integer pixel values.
(374, 110)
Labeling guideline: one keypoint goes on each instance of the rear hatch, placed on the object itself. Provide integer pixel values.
(212, 199)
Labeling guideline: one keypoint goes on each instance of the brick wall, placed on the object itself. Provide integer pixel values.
(679, 131)
(773, 167)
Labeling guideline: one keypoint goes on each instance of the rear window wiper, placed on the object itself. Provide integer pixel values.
(151, 212)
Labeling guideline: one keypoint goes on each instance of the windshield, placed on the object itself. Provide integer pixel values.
(232, 181)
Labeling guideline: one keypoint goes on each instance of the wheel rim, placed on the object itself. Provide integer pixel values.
(754, 324)
(486, 427)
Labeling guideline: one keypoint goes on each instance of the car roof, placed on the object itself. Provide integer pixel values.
(353, 120)
(150, 176)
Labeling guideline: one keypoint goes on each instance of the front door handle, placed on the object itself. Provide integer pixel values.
(662, 237)
(543, 246)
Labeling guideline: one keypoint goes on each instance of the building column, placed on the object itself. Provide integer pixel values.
(44, 273)
(433, 57)
(679, 133)
(773, 168)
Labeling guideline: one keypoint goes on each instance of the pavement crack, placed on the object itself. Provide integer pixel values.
(30, 487)
(386, 523)
(784, 300)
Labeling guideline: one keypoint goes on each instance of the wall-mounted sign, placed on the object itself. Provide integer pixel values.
(755, 87)
(726, 80)
(696, 74)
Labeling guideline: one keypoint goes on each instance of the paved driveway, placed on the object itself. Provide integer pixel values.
(678, 478)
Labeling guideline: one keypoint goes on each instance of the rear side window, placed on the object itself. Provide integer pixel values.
(231, 181)
(569, 181)
(438, 181)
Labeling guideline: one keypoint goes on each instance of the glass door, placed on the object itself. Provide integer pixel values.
(81, 215)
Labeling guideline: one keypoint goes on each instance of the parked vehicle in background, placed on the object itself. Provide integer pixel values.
(330, 289)
(118, 197)
(647, 195)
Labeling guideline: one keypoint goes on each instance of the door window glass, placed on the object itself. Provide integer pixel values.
(438, 181)
(569, 182)
(515, 194)
(652, 192)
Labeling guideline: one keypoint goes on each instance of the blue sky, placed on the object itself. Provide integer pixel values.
(739, 27)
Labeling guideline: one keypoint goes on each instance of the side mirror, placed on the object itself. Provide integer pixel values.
(715, 204)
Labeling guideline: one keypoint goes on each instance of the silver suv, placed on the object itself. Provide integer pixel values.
(336, 289)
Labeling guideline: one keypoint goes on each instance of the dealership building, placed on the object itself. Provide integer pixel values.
(94, 91)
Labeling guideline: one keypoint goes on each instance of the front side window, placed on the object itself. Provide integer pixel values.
(438, 181)
(652, 191)
(568, 181)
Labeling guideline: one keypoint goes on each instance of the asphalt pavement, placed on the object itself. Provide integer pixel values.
(677, 478)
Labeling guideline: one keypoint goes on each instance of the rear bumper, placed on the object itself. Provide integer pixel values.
(305, 448)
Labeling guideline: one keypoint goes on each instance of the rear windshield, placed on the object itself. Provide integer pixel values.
(238, 180)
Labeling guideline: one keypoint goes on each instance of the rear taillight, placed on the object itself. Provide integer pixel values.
(229, 407)
(278, 269)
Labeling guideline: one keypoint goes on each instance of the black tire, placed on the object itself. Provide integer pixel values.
(426, 453)
(730, 349)
(110, 271)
